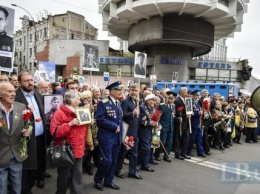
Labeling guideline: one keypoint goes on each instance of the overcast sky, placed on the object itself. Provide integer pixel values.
(244, 45)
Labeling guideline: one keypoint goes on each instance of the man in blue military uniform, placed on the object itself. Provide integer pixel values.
(167, 122)
(196, 135)
(146, 124)
(6, 42)
(130, 116)
(109, 135)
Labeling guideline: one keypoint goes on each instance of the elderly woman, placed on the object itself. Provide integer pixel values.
(67, 124)
(251, 123)
(86, 97)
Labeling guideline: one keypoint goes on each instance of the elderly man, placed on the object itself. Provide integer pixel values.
(109, 135)
(167, 122)
(11, 133)
(43, 87)
(196, 135)
(205, 94)
(85, 87)
(181, 132)
(145, 132)
(34, 166)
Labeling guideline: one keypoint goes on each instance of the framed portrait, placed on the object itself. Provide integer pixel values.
(140, 65)
(84, 115)
(188, 105)
(125, 129)
(51, 104)
(91, 58)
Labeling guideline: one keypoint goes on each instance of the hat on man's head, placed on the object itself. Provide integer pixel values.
(171, 94)
(149, 97)
(195, 92)
(115, 85)
(140, 55)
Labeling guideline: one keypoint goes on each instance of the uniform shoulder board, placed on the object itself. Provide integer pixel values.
(105, 100)
(163, 103)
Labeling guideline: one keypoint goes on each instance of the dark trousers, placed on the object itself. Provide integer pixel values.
(132, 154)
(205, 137)
(75, 174)
(251, 135)
(181, 141)
(238, 134)
(144, 152)
(29, 176)
(166, 138)
(107, 166)
(196, 136)
(95, 154)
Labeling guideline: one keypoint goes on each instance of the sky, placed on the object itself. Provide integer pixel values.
(244, 44)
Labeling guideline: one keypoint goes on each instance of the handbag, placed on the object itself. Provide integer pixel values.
(251, 120)
(59, 155)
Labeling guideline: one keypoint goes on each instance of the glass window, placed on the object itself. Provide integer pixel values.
(224, 73)
(212, 73)
(201, 74)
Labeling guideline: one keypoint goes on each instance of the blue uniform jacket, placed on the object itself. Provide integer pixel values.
(195, 118)
(145, 129)
(108, 118)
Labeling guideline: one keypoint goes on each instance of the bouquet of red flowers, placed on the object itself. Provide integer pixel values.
(2, 122)
(129, 142)
(156, 115)
(27, 113)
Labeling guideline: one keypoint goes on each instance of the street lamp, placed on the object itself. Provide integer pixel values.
(34, 25)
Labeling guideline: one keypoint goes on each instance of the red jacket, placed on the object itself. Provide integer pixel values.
(76, 135)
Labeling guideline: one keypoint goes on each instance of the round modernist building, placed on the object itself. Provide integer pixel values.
(172, 30)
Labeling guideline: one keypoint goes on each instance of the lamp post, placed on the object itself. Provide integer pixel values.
(34, 25)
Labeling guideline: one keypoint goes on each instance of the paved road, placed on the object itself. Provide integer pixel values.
(233, 171)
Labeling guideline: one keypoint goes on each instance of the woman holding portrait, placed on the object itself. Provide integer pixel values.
(67, 127)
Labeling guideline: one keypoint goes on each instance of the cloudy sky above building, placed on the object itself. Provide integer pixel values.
(244, 45)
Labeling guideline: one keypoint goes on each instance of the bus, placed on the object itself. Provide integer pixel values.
(224, 89)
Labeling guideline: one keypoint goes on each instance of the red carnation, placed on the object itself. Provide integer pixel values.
(27, 116)
(156, 116)
(131, 138)
(180, 108)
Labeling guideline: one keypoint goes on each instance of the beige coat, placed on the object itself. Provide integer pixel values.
(253, 114)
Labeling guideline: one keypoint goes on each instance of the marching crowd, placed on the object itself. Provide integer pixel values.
(136, 123)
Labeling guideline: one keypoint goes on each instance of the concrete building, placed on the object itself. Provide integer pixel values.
(173, 30)
(33, 35)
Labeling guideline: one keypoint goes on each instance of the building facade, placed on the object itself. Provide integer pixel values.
(68, 26)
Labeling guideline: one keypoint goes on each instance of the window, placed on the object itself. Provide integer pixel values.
(30, 38)
(20, 42)
(45, 32)
(72, 36)
(20, 56)
(30, 51)
(24, 40)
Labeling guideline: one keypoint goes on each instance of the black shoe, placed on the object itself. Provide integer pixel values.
(202, 155)
(154, 163)
(158, 159)
(239, 143)
(113, 186)
(226, 146)
(221, 148)
(248, 141)
(120, 175)
(148, 169)
(47, 175)
(136, 176)
(255, 141)
(208, 153)
(214, 147)
(40, 184)
(230, 144)
(99, 186)
(167, 160)
(186, 157)
(179, 157)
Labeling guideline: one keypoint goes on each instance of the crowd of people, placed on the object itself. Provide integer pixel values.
(156, 122)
